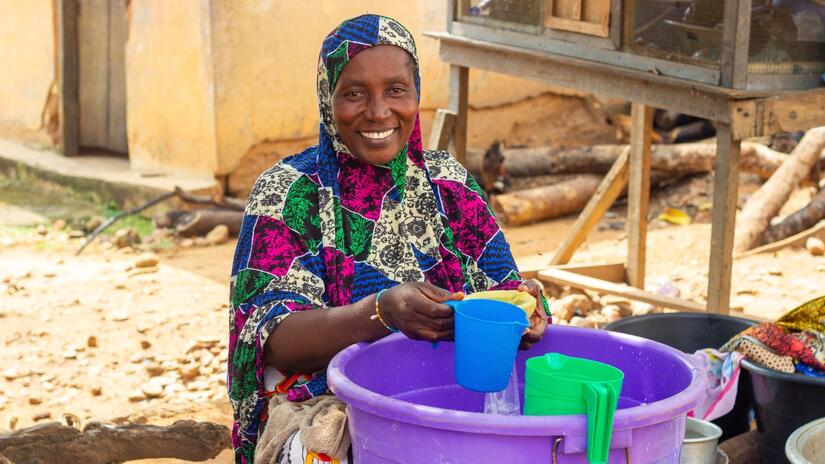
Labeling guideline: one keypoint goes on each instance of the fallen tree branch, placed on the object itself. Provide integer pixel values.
(685, 158)
(766, 202)
(105, 225)
(794, 240)
(54, 443)
(801, 220)
(227, 203)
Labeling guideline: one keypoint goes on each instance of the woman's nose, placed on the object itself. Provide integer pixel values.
(378, 109)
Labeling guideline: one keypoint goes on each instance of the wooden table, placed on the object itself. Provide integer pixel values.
(738, 114)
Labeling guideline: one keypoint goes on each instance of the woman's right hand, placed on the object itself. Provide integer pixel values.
(417, 309)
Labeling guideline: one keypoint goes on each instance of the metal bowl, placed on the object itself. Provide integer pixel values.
(701, 439)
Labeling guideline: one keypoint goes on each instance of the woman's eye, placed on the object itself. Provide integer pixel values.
(397, 90)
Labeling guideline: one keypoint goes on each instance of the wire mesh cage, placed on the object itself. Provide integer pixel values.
(501, 12)
(787, 37)
(676, 30)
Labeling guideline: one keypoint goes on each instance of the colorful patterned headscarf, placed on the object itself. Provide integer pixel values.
(323, 229)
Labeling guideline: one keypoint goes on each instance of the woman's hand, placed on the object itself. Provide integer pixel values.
(417, 309)
(538, 320)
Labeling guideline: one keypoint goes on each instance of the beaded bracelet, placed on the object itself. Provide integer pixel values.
(377, 314)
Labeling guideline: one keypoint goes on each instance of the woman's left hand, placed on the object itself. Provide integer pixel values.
(538, 320)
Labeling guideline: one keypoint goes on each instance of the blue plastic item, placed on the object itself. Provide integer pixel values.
(487, 335)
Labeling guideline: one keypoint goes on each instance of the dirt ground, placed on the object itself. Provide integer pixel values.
(101, 338)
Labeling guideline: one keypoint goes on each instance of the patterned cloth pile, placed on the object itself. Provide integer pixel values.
(795, 343)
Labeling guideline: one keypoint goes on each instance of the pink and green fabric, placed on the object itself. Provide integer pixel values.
(323, 229)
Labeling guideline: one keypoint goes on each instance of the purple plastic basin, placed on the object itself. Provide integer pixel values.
(405, 406)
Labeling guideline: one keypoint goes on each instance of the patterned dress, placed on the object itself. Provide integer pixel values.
(323, 229)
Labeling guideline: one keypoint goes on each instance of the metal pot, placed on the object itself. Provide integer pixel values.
(807, 444)
(699, 446)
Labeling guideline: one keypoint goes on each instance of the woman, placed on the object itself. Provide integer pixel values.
(366, 225)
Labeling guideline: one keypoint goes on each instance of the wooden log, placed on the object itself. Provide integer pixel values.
(54, 443)
(766, 202)
(687, 158)
(540, 203)
(795, 223)
(743, 449)
(200, 222)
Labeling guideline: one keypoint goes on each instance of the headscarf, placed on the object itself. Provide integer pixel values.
(323, 229)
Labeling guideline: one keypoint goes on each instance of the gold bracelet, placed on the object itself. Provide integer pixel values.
(377, 314)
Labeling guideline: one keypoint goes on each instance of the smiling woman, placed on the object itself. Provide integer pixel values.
(359, 236)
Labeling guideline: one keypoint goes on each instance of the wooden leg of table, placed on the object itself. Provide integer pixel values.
(459, 83)
(725, 191)
(638, 193)
(609, 189)
(442, 131)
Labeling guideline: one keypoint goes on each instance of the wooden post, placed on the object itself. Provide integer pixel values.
(609, 189)
(725, 194)
(735, 43)
(459, 80)
(638, 193)
(68, 71)
(442, 130)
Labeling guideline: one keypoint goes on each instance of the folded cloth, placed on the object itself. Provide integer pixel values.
(809, 315)
(758, 353)
(815, 341)
(809, 371)
(783, 343)
(321, 423)
(722, 371)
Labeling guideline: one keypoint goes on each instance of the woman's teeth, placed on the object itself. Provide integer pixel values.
(378, 135)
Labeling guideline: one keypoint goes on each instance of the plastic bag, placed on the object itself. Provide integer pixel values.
(505, 402)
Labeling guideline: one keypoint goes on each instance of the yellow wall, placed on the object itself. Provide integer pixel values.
(27, 67)
(265, 54)
(170, 110)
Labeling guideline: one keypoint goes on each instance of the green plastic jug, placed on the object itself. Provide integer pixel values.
(556, 385)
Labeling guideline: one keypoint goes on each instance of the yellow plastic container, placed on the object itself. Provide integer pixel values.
(523, 300)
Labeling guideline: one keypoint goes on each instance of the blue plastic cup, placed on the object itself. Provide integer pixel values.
(487, 335)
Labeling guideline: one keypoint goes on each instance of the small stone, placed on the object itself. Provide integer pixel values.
(578, 303)
(815, 246)
(152, 390)
(189, 371)
(59, 224)
(201, 241)
(578, 321)
(775, 271)
(69, 354)
(187, 243)
(96, 390)
(154, 369)
(643, 309)
(92, 224)
(42, 416)
(126, 237)
(119, 316)
(146, 260)
(76, 234)
(143, 328)
(218, 235)
(41, 230)
(145, 344)
(136, 395)
(136, 358)
(35, 400)
(91, 342)
(13, 422)
(208, 341)
(12, 374)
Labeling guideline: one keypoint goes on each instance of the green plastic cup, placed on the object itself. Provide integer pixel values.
(556, 385)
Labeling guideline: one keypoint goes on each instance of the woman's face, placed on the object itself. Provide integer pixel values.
(375, 103)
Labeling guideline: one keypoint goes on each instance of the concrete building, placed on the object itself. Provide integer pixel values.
(216, 89)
